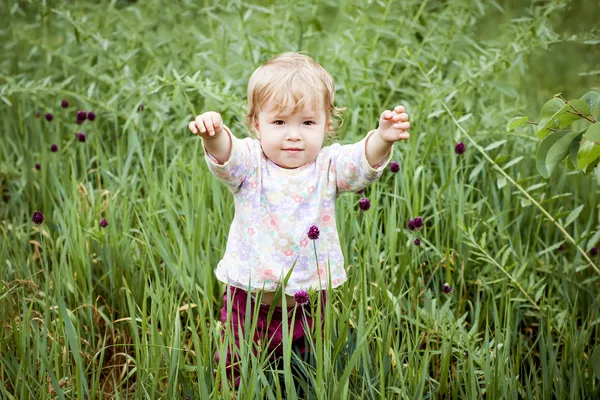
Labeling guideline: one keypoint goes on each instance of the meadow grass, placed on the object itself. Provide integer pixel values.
(132, 310)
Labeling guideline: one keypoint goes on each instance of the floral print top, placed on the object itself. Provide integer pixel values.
(274, 209)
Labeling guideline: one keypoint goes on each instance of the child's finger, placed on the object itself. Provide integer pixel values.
(399, 109)
(216, 122)
(208, 124)
(200, 124)
(402, 125)
(401, 117)
(387, 114)
(192, 127)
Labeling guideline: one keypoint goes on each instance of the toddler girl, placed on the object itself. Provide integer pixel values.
(283, 183)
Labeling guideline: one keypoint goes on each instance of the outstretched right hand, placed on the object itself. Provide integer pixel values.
(207, 125)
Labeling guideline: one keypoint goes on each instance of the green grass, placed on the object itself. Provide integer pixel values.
(133, 310)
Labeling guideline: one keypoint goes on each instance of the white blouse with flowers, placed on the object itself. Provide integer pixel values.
(274, 209)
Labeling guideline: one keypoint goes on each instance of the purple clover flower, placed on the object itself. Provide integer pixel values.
(361, 191)
(594, 251)
(103, 223)
(447, 288)
(313, 233)
(459, 148)
(54, 148)
(64, 104)
(37, 217)
(364, 204)
(49, 117)
(394, 167)
(91, 115)
(38, 166)
(417, 242)
(301, 297)
(81, 137)
(415, 224)
(418, 222)
(81, 116)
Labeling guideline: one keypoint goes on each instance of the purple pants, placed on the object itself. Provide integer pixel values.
(264, 332)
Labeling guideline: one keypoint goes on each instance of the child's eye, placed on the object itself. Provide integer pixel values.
(277, 122)
(309, 122)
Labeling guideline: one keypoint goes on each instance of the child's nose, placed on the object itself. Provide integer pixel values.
(293, 133)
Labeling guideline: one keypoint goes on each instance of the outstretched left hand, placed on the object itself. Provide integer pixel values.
(393, 125)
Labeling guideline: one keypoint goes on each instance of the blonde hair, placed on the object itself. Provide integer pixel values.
(291, 78)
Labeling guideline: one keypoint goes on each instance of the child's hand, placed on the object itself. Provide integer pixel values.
(393, 125)
(207, 125)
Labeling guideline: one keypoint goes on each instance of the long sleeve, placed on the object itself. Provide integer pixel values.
(352, 169)
(238, 167)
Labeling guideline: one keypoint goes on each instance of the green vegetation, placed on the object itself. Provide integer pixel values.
(132, 309)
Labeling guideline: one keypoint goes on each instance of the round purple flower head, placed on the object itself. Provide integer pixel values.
(81, 116)
(91, 116)
(49, 117)
(459, 148)
(81, 137)
(54, 148)
(594, 252)
(447, 288)
(364, 204)
(103, 223)
(313, 233)
(361, 191)
(415, 224)
(417, 242)
(301, 297)
(394, 167)
(38, 166)
(418, 222)
(64, 104)
(37, 217)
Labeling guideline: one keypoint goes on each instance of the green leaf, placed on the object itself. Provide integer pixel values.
(552, 107)
(573, 151)
(589, 148)
(592, 99)
(501, 182)
(563, 117)
(590, 167)
(553, 150)
(578, 105)
(516, 122)
(593, 132)
(570, 165)
(495, 145)
(593, 240)
(573, 215)
(596, 361)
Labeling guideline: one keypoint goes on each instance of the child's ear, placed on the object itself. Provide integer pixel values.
(256, 130)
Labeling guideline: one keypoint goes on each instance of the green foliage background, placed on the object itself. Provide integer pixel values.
(134, 309)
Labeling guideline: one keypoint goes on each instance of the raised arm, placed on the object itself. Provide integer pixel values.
(209, 126)
(393, 126)
(229, 159)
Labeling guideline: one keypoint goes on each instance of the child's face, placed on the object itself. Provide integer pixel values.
(291, 140)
